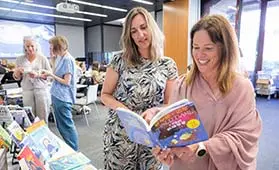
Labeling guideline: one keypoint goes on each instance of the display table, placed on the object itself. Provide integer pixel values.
(3, 159)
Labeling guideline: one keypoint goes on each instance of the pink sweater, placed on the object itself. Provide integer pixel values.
(233, 125)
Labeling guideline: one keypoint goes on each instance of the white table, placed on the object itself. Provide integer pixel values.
(14, 93)
(79, 86)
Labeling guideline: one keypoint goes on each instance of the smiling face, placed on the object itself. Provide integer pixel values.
(140, 32)
(30, 47)
(205, 53)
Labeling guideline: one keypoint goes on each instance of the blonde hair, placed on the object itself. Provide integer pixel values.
(11, 66)
(59, 43)
(219, 31)
(130, 49)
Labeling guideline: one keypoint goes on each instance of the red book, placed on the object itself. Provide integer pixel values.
(31, 160)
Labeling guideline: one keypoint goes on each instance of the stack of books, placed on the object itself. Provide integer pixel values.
(42, 149)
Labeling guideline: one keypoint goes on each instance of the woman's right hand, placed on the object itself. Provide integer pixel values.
(178, 90)
(164, 156)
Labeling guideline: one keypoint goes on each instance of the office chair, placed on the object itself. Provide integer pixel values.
(91, 97)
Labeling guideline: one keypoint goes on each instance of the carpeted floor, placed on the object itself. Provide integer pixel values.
(91, 144)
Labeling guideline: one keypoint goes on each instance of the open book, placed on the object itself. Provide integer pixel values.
(176, 125)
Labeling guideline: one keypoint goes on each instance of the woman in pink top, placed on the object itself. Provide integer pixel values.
(224, 99)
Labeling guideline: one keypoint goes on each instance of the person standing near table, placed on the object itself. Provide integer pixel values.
(137, 79)
(224, 99)
(35, 91)
(63, 89)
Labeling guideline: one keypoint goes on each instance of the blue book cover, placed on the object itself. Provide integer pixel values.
(45, 142)
(176, 125)
(71, 161)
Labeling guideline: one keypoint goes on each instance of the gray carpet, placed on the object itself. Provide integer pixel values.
(268, 156)
(91, 144)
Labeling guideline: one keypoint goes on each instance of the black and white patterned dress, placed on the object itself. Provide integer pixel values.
(139, 88)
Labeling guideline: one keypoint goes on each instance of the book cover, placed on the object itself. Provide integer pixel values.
(35, 126)
(30, 159)
(176, 125)
(16, 132)
(3, 95)
(45, 142)
(21, 118)
(29, 113)
(3, 144)
(28, 141)
(5, 115)
(72, 161)
(5, 138)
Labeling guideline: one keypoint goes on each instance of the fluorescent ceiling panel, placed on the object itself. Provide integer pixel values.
(98, 5)
(144, 2)
(51, 7)
(44, 14)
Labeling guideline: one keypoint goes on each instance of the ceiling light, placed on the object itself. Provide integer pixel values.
(98, 5)
(232, 7)
(44, 14)
(91, 13)
(51, 7)
(144, 2)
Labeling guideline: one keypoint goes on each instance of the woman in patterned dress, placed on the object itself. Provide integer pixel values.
(137, 79)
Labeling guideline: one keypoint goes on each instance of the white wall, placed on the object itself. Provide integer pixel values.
(75, 36)
(112, 36)
(159, 19)
(193, 17)
(94, 39)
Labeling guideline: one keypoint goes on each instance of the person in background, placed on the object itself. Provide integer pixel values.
(82, 66)
(3, 68)
(8, 76)
(35, 89)
(224, 100)
(63, 89)
(96, 76)
(137, 79)
(79, 71)
(4, 63)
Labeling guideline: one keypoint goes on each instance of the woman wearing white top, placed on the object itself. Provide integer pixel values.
(34, 86)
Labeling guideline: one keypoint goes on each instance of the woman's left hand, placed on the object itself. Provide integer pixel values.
(187, 153)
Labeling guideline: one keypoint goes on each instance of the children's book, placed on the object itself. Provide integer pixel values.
(16, 132)
(176, 125)
(21, 117)
(5, 115)
(3, 94)
(29, 113)
(69, 162)
(44, 143)
(30, 159)
(35, 126)
(5, 138)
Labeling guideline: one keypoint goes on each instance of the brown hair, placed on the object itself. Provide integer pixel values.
(130, 49)
(96, 65)
(59, 43)
(219, 31)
